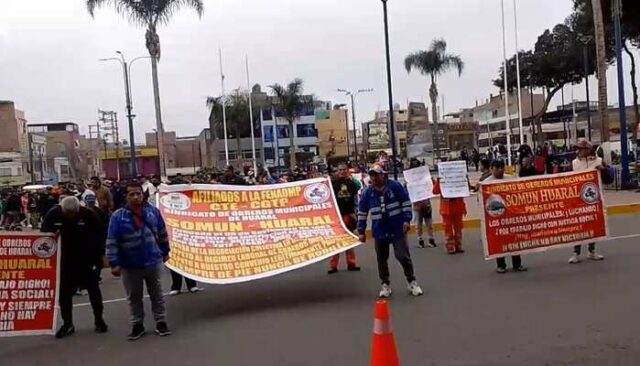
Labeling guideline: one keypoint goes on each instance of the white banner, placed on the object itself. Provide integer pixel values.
(454, 182)
(419, 183)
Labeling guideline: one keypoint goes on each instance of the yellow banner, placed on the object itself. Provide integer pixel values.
(227, 234)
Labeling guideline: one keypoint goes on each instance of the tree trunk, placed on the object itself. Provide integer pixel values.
(601, 62)
(159, 126)
(538, 117)
(292, 150)
(634, 87)
(433, 95)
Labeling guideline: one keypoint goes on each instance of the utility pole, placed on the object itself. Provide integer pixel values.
(109, 126)
(30, 147)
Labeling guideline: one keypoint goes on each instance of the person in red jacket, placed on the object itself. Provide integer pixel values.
(452, 211)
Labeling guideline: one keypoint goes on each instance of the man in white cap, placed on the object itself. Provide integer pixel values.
(586, 160)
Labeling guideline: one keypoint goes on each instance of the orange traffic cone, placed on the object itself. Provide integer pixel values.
(384, 351)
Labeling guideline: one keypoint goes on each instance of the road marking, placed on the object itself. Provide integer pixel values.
(82, 304)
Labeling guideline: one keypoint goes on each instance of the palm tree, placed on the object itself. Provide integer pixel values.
(150, 14)
(434, 62)
(290, 103)
(601, 62)
(237, 113)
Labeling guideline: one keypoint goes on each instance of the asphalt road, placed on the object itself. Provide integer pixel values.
(555, 314)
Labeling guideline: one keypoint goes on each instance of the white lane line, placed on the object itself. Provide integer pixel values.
(82, 304)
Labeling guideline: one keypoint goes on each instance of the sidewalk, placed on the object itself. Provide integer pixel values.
(617, 202)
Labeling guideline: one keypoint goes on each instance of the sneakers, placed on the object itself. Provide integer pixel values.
(353, 268)
(385, 291)
(421, 243)
(332, 271)
(65, 330)
(521, 269)
(100, 326)
(195, 289)
(414, 288)
(595, 256)
(432, 243)
(575, 258)
(162, 330)
(501, 270)
(136, 332)
(174, 292)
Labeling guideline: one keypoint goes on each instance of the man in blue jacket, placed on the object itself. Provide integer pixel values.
(390, 209)
(137, 247)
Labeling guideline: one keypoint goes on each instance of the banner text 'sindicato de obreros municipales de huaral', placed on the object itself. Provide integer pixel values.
(538, 213)
(224, 234)
(29, 273)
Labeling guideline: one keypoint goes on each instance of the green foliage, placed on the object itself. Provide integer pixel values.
(146, 12)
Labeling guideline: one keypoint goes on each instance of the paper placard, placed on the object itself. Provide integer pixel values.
(453, 179)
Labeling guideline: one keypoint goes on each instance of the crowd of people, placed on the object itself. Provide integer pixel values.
(117, 224)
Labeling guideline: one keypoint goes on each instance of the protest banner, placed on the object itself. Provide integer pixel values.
(227, 234)
(29, 265)
(453, 179)
(419, 183)
(538, 213)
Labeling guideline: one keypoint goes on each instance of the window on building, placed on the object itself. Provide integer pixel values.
(268, 133)
(306, 130)
(268, 153)
(283, 132)
(401, 126)
(494, 114)
(266, 115)
(64, 170)
(246, 154)
(19, 171)
(5, 172)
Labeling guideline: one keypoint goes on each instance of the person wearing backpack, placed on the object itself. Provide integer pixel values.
(586, 160)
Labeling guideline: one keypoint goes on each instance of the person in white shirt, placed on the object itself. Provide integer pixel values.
(586, 160)
(149, 190)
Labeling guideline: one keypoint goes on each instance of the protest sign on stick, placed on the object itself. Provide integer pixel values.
(419, 183)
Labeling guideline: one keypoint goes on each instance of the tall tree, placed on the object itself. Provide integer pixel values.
(150, 14)
(290, 103)
(601, 62)
(557, 60)
(432, 63)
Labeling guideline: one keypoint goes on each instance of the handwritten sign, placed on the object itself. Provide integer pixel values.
(453, 179)
(419, 183)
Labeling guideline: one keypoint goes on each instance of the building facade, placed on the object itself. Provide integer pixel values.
(333, 138)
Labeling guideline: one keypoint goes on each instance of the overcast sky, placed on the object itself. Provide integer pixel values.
(49, 52)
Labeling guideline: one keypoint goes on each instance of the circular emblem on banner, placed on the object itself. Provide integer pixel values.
(316, 193)
(496, 206)
(44, 247)
(175, 201)
(590, 193)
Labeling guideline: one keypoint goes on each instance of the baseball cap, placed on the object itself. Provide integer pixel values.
(376, 169)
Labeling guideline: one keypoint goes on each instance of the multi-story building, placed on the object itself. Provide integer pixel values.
(377, 137)
(333, 139)
(492, 121)
(63, 141)
(13, 125)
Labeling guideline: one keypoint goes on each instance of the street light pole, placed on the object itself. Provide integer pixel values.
(352, 94)
(624, 142)
(392, 120)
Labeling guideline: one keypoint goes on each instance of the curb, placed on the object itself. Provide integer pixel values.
(616, 210)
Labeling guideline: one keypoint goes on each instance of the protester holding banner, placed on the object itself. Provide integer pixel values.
(137, 246)
(390, 209)
(586, 160)
(497, 170)
(452, 185)
(346, 191)
(81, 255)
